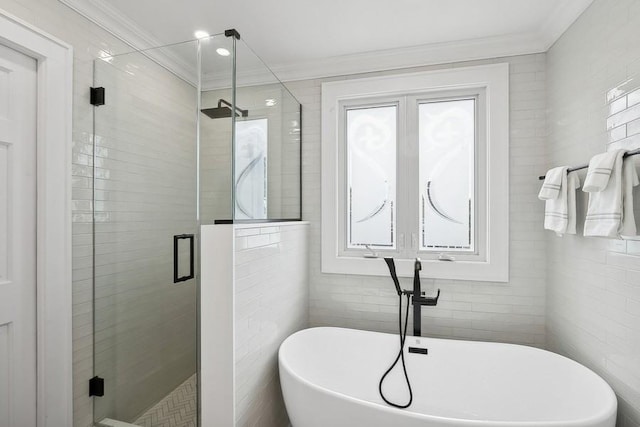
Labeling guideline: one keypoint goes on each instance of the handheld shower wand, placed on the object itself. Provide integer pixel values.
(403, 336)
(392, 270)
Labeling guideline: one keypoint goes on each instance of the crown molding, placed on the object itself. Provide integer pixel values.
(559, 21)
(414, 56)
(122, 28)
(381, 60)
(119, 25)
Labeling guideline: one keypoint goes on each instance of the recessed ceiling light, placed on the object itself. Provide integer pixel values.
(201, 34)
(223, 52)
(269, 102)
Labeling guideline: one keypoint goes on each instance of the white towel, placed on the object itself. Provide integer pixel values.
(573, 183)
(552, 181)
(560, 213)
(629, 180)
(599, 171)
(608, 208)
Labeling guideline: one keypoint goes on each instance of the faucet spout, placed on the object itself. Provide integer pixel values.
(419, 299)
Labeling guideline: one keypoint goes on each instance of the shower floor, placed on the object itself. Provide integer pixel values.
(177, 409)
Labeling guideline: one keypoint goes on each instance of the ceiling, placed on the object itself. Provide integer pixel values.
(304, 38)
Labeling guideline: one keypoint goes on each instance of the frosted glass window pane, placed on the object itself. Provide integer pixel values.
(446, 151)
(251, 169)
(371, 176)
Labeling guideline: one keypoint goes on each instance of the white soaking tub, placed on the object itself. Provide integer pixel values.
(330, 378)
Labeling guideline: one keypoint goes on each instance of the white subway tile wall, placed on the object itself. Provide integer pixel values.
(271, 303)
(593, 296)
(510, 312)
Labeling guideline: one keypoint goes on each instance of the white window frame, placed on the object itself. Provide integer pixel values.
(492, 169)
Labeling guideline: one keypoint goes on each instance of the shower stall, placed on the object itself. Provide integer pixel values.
(189, 134)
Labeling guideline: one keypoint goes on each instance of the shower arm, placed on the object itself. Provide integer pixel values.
(243, 113)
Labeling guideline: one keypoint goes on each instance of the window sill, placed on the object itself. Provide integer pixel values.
(433, 269)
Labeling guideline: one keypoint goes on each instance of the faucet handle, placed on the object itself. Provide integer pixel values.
(431, 300)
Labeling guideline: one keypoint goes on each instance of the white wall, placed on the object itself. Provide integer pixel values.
(593, 296)
(511, 312)
(254, 295)
(271, 303)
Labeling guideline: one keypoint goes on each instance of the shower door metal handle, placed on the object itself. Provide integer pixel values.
(176, 262)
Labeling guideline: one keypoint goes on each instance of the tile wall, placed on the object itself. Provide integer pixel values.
(271, 303)
(511, 312)
(593, 295)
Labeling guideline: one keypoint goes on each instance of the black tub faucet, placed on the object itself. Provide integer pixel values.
(418, 299)
(417, 296)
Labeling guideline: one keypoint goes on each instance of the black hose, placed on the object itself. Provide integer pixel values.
(403, 336)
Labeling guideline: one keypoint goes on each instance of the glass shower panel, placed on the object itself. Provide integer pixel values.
(145, 293)
(264, 160)
(267, 143)
(216, 130)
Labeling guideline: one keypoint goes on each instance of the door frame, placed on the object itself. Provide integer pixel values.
(54, 393)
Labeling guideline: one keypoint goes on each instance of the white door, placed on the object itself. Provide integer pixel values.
(17, 239)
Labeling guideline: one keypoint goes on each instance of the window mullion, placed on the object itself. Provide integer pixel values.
(405, 157)
(410, 171)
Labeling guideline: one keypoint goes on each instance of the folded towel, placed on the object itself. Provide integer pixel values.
(608, 208)
(560, 213)
(599, 171)
(573, 183)
(629, 180)
(552, 181)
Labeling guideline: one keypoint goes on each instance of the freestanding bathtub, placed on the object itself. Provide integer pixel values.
(330, 378)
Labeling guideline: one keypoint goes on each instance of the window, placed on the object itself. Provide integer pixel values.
(446, 174)
(408, 162)
(371, 176)
(251, 169)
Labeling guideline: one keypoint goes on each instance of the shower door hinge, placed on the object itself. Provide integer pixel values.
(232, 33)
(96, 386)
(97, 96)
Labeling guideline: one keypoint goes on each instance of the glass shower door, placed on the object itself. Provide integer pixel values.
(145, 225)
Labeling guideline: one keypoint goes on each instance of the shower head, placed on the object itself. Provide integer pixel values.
(224, 111)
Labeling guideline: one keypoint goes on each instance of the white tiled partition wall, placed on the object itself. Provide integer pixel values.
(593, 296)
(271, 303)
(254, 294)
(509, 312)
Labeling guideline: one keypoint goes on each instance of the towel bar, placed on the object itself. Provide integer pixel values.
(577, 168)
